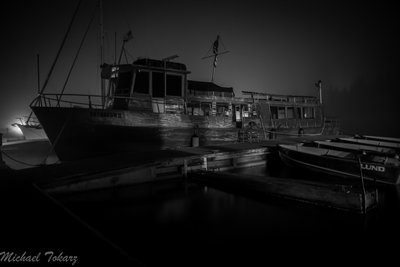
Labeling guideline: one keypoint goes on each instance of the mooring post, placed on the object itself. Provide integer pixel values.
(234, 162)
(204, 166)
(2, 163)
(185, 166)
(363, 186)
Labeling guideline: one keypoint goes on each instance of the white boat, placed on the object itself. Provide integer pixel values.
(356, 148)
(31, 129)
(381, 169)
(381, 138)
(372, 142)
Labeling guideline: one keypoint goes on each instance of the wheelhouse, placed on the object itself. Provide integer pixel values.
(146, 84)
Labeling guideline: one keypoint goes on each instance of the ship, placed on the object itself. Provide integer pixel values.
(151, 104)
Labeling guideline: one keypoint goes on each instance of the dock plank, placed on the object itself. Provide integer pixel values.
(338, 196)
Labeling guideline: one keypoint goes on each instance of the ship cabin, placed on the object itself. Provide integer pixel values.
(287, 111)
(147, 84)
(162, 86)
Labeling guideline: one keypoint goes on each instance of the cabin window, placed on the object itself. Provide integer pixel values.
(290, 112)
(308, 113)
(274, 112)
(223, 109)
(298, 113)
(194, 109)
(174, 85)
(281, 113)
(245, 111)
(158, 84)
(142, 82)
(205, 109)
(197, 111)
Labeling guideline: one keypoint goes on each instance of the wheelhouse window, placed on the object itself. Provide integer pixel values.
(158, 84)
(124, 82)
(142, 82)
(174, 85)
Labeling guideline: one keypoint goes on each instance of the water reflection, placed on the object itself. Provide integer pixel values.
(149, 218)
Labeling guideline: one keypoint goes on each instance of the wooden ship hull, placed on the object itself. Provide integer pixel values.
(79, 133)
(151, 105)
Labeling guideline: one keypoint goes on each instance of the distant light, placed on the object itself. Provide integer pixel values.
(16, 131)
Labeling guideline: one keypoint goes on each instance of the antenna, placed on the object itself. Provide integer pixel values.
(38, 72)
(215, 55)
(319, 87)
(102, 83)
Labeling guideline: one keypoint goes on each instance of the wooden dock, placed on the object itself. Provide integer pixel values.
(169, 164)
(200, 164)
(327, 194)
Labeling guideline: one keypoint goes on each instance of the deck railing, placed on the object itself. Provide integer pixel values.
(158, 105)
(70, 100)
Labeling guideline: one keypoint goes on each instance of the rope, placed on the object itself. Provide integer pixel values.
(129, 54)
(61, 47)
(76, 57)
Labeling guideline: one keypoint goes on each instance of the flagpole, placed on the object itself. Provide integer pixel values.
(213, 70)
(215, 54)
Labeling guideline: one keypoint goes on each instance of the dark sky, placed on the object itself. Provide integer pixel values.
(278, 47)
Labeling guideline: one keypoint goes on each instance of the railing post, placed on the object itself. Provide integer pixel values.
(2, 163)
(90, 102)
(185, 169)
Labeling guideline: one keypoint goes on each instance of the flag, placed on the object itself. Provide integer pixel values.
(128, 36)
(215, 61)
(215, 45)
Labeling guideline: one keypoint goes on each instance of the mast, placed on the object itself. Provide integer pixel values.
(38, 80)
(102, 83)
(38, 72)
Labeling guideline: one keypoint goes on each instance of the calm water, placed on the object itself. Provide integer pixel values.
(173, 223)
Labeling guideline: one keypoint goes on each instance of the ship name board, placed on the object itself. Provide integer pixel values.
(105, 114)
(371, 167)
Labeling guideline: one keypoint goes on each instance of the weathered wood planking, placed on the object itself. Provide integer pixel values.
(325, 194)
